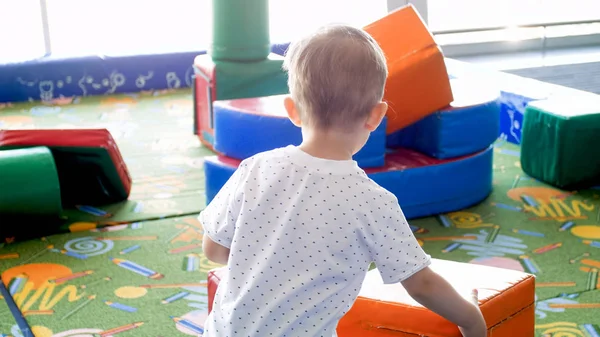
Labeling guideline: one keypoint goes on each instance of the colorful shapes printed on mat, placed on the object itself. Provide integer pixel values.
(79, 307)
(418, 230)
(541, 193)
(128, 238)
(595, 244)
(82, 226)
(9, 256)
(130, 249)
(78, 333)
(37, 312)
(174, 285)
(188, 324)
(592, 330)
(577, 258)
(130, 292)
(499, 262)
(175, 297)
(93, 211)
(566, 226)
(117, 330)
(191, 262)
(67, 253)
(137, 225)
(493, 234)
(71, 277)
(554, 284)
(444, 221)
(547, 248)
(529, 233)
(566, 329)
(83, 286)
(109, 228)
(587, 232)
(136, 268)
(530, 265)
(120, 306)
(592, 281)
(529, 201)
(591, 263)
(508, 207)
(468, 220)
(89, 246)
(451, 247)
(17, 284)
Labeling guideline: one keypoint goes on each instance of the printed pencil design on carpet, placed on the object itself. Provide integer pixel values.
(108, 281)
(144, 274)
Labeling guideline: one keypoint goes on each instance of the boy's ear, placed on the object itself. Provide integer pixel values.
(376, 116)
(292, 111)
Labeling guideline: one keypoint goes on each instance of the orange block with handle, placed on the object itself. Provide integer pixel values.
(418, 82)
(506, 299)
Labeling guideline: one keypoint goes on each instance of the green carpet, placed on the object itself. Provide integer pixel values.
(67, 285)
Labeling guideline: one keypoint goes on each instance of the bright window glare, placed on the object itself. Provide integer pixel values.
(21, 34)
(473, 14)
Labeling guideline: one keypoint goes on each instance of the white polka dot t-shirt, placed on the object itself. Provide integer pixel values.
(302, 232)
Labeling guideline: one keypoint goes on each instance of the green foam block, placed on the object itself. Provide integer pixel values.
(240, 30)
(29, 182)
(560, 141)
(236, 80)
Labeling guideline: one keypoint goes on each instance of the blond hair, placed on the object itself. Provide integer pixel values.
(336, 76)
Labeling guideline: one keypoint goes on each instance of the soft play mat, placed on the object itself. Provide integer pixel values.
(523, 225)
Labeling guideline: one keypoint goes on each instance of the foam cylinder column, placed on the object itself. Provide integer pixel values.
(240, 30)
(29, 182)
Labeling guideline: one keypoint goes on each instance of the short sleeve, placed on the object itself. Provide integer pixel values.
(219, 217)
(392, 245)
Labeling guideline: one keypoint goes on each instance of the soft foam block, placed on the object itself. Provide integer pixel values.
(506, 299)
(418, 82)
(245, 127)
(225, 80)
(423, 185)
(560, 138)
(91, 170)
(470, 124)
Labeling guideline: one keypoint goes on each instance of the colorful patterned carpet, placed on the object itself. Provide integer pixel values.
(146, 277)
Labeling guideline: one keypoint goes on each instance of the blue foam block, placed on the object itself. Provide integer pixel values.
(470, 124)
(245, 127)
(423, 185)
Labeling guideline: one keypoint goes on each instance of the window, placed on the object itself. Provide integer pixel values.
(79, 27)
(449, 15)
(290, 19)
(21, 31)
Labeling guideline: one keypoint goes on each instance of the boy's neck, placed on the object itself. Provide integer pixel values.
(328, 145)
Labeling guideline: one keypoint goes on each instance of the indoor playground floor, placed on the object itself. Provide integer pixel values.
(144, 274)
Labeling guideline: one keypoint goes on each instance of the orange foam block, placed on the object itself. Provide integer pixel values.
(506, 299)
(418, 82)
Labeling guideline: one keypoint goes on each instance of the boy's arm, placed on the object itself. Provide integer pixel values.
(214, 251)
(220, 216)
(436, 294)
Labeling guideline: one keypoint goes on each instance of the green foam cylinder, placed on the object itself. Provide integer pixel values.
(29, 182)
(240, 30)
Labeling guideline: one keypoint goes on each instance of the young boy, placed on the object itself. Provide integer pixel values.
(299, 226)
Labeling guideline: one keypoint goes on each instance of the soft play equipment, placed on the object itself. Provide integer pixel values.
(29, 182)
(470, 124)
(506, 299)
(560, 138)
(423, 185)
(417, 83)
(245, 127)
(90, 168)
(440, 164)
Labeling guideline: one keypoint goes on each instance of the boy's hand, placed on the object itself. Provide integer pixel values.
(436, 294)
(479, 330)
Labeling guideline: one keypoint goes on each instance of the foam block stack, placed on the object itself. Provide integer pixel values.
(559, 141)
(506, 299)
(434, 133)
